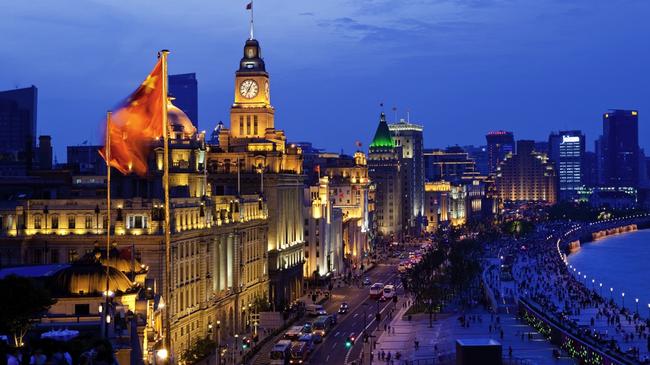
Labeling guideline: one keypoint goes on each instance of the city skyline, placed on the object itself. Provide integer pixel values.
(331, 36)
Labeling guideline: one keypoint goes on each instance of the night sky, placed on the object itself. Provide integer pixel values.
(462, 67)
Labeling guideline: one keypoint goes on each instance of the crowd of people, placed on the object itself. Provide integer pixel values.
(543, 278)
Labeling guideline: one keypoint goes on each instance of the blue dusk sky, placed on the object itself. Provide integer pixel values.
(461, 67)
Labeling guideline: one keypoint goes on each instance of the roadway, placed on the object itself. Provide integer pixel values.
(332, 350)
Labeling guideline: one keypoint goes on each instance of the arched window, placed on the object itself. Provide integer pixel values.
(37, 221)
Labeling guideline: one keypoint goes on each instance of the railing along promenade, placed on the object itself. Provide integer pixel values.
(562, 331)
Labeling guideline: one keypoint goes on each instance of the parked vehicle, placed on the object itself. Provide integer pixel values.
(343, 308)
(281, 353)
(366, 281)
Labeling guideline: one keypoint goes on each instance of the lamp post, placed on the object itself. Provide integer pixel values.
(611, 293)
(218, 342)
(623, 299)
(234, 350)
(601, 289)
(636, 300)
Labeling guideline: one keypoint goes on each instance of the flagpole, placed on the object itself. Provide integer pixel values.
(252, 25)
(108, 218)
(165, 129)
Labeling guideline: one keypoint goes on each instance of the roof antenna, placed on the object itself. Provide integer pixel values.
(395, 114)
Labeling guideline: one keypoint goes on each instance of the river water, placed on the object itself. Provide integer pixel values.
(621, 262)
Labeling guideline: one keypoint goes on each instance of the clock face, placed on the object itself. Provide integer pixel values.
(267, 90)
(248, 89)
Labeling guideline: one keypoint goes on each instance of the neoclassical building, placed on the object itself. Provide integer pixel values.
(251, 156)
(219, 268)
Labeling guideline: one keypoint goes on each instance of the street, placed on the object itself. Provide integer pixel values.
(332, 350)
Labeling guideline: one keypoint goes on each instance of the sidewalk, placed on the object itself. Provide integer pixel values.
(439, 341)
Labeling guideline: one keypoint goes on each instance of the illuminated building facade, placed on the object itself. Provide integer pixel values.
(567, 153)
(408, 137)
(385, 172)
(499, 145)
(526, 176)
(252, 157)
(323, 233)
(349, 189)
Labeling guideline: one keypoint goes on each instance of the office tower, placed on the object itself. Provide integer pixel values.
(499, 145)
(385, 172)
(526, 176)
(408, 136)
(450, 164)
(18, 126)
(45, 152)
(621, 148)
(184, 89)
(599, 148)
(567, 153)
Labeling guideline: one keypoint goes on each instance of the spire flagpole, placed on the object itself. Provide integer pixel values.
(250, 7)
(165, 129)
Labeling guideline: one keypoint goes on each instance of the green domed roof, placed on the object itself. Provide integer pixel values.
(382, 135)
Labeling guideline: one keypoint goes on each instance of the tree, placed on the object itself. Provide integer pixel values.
(23, 301)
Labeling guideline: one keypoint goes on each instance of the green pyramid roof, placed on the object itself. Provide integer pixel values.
(382, 135)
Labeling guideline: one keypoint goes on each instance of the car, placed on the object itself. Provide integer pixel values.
(306, 329)
(343, 308)
(366, 281)
(383, 298)
(316, 338)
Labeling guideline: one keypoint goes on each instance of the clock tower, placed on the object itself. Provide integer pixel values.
(252, 113)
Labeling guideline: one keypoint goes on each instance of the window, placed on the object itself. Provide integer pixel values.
(37, 222)
(55, 222)
(254, 124)
(248, 124)
(71, 221)
(82, 309)
(241, 124)
(137, 221)
(72, 255)
(89, 222)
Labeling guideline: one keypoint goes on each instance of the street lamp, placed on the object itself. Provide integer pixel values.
(218, 342)
(623, 299)
(637, 305)
(601, 289)
(611, 293)
(162, 355)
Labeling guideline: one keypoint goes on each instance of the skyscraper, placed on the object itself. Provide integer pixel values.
(499, 145)
(18, 126)
(621, 148)
(184, 89)
(408, 136)
(567, 152)
(384, 170)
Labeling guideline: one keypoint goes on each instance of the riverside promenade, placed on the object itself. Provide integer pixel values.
(436, 344)
(545, 279)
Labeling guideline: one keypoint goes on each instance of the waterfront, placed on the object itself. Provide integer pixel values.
(619, 262)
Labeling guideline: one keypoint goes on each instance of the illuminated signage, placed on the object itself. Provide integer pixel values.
(570, 139)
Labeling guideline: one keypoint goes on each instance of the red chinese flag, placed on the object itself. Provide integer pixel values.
(135, 124)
